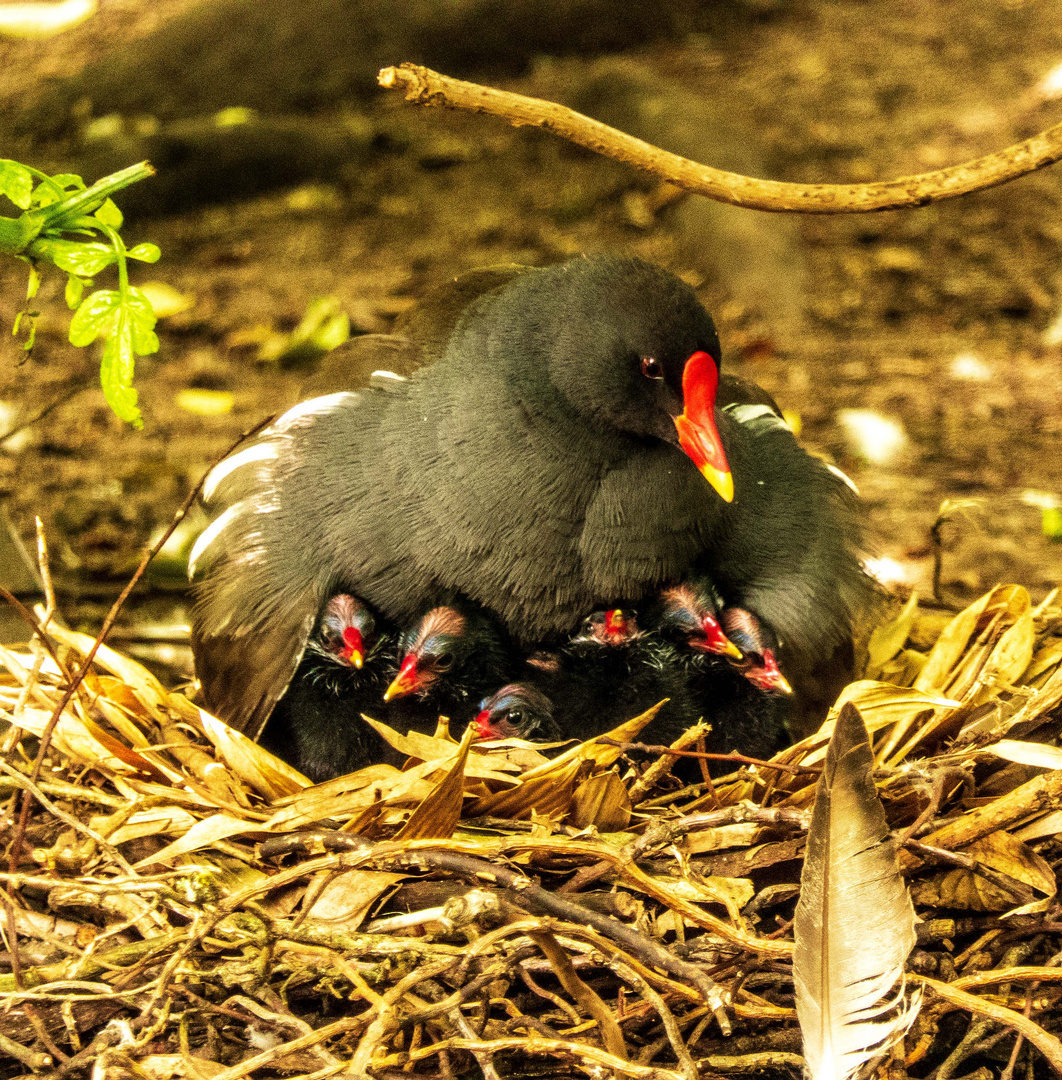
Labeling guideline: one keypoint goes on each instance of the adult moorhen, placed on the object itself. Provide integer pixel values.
(559, 449)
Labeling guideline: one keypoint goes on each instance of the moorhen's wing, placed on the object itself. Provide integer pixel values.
(791, 540)
(734, 390)
(351, 365)
(262, 569)
(419, 336)
(432, 320)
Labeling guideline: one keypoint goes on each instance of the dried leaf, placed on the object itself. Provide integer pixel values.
(256, 766)
(201, 835)
(345, 901)
(548, 793)
(888, 639)
(155, 821)
(967, 890)
(437, 816)
(999, 610)
(147, 688)
(1027, 753)
(594, 751)
(601, 801)
(1045, 826)
(71, 738)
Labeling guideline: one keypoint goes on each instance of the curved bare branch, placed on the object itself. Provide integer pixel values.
(425, 87)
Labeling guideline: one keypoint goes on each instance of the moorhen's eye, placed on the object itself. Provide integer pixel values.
(444, 661)
(516, 717)
(651, 368)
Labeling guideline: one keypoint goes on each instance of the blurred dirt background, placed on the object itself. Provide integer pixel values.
(943, 322)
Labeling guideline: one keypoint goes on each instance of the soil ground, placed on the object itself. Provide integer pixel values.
(938, 319)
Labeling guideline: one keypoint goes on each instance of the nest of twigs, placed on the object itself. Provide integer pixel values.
(180, 903)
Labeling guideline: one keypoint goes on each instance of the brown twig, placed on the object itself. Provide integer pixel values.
(566, 974)
(425, 87)
(1046, 1043)
(530, 897)
(663, 833)
(737, 759)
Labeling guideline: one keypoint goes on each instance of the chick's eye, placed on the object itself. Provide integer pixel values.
(651, 368)
(444, 661)
(516, 716)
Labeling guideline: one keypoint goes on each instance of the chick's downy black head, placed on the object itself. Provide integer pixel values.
(688, 616)
(627, 347)
(452, 652)
(346, 631)
(517, 711)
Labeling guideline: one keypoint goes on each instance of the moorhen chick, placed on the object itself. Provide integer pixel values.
(746, 699)
(517, 711)
(317, 725)
(559, 448)
(448, 659)
(593, 683)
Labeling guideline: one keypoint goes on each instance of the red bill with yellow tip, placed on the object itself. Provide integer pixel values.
(768, 676)
(615, 623)
(698, 435)
(406, 681)
(353, 647)
(715, 641)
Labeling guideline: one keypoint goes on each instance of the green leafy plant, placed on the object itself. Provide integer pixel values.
(74, 227)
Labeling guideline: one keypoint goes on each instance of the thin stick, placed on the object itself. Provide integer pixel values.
(426, 87)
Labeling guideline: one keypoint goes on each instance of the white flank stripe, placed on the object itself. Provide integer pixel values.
(264, 451)
(746, 414)
(317, 406)
(212, 532)
(842, 476)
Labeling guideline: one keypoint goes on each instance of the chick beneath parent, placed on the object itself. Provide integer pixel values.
(557, 451)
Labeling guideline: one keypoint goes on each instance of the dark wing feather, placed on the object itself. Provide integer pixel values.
(791, 543)
(259, 574)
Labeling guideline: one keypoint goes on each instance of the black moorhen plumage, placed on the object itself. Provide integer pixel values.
(317, 725)
(609, 672)
(746, 699)
(552, 455)
(593, 683)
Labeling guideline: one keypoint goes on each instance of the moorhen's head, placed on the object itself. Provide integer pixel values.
(628, 347)
(614, 626)
(758, 646)
(346, 631)
(689, 616)
(436, 645)
(517, 711)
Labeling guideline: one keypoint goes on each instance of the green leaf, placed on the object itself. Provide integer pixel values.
(1051, 523)
(116, 371)
(75, 286)
(44, 195)
(96, 315)
(34, 283)
(109, 214)
(148, 253)
(16, 182)
(142, 322)
(83, 259)
(69, 180)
